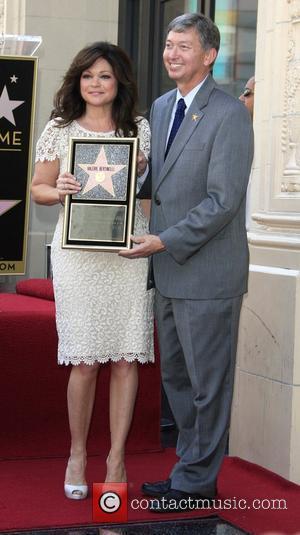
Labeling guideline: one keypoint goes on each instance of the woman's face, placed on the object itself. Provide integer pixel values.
(98, 84)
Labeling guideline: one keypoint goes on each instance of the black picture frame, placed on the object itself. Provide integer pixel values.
(18, 81)
(101, 216)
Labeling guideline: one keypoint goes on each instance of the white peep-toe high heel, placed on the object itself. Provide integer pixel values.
(76, 492)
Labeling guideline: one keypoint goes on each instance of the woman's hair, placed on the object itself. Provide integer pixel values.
(69, 104)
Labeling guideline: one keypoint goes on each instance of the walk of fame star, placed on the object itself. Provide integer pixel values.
(6, 205)
(7, 106)
(100, 173)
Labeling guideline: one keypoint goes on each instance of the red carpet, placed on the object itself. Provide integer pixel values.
(31, 494)
(33, 408)
(34, 437)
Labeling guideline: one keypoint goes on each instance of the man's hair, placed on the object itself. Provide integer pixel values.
(209, 34)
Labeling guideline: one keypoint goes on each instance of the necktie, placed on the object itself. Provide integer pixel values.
(179, 116)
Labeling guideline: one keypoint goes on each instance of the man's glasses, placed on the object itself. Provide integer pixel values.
(247, 92)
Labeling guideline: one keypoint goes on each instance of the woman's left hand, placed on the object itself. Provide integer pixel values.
(66, 184)
(141, 163)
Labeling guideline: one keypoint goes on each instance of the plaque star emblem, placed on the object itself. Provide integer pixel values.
(7, 106)
(100, 173)
(7, 205)
(13, 79)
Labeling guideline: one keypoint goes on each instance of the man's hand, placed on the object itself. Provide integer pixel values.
(147, 245)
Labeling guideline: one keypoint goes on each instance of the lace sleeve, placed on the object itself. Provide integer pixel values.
(144, 135)
(49, 143)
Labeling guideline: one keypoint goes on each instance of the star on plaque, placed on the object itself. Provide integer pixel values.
(100, 173)
(7, 205)
(7, 106)
(13, 79)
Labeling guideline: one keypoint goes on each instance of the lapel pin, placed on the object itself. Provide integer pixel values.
(195, 117)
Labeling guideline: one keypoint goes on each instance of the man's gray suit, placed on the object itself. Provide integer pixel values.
(198, 211)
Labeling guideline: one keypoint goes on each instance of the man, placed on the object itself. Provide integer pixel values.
(247, 96)
(198, 244)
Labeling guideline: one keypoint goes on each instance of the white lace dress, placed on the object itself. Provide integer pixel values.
(103, 310)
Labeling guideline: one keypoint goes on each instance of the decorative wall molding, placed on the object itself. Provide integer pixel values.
(294, 10)
(290, 134)
(283, 221)
(287, 242)
(290, 187)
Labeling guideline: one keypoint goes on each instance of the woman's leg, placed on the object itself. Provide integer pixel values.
(123, 389)
(81, 395)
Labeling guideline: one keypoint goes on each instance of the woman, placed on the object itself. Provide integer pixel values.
(103, 311)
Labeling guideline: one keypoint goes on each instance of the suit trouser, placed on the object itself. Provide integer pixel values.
(197, 340)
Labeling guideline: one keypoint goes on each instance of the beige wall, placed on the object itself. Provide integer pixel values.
(265, 425)
(1, 17)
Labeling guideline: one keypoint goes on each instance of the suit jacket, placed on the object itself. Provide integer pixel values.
(199, 196)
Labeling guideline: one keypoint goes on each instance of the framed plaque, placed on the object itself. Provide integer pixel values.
(101, 216)
(18, 77)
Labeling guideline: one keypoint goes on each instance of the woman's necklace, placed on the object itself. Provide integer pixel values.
(97, 126)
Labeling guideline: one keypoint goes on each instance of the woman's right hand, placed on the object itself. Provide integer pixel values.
(66, 184)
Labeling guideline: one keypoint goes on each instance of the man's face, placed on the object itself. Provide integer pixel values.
(186, 62)
(247, 96)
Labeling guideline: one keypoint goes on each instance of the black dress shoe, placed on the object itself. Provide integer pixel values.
(177, 501)
(166, 424)
(156, 489)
